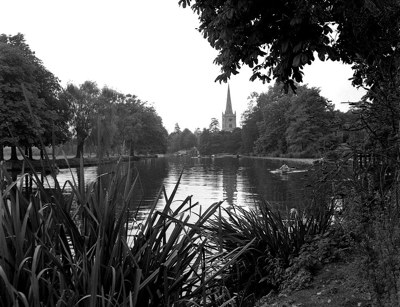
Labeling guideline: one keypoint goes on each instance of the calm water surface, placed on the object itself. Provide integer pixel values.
(239, 181)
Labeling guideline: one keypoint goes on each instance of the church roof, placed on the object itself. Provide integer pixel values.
(228, 109)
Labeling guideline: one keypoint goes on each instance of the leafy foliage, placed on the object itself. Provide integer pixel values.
(277, 39)
(81, 101)
(20, 66)
(113, 121)
(302, 124)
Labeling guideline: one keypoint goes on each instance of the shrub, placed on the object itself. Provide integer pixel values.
(275, 242)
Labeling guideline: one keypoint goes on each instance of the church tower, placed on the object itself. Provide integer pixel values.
(228, 118)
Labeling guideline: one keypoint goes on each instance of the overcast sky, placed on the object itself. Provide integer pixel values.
(150, 49)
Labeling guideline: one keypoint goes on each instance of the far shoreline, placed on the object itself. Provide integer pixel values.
(308, 161)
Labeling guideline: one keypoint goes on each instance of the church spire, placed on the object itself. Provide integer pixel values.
(228, 118)
(228, 109)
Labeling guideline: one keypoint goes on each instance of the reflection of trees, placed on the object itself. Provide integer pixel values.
(281, 194)
(152, 173)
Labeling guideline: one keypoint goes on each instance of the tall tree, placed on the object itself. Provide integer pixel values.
(204, 143)
(20, 66)
(188, 139)
(17, 126)
(250, 117)
(53, 114)
(153, 136)
(139, 127)
(273, 106)
(81, 101)
(104, 121)
(310, 122)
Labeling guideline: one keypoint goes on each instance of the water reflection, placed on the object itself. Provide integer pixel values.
(237, 181)
(242, 182)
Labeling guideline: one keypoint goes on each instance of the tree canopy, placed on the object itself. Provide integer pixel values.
(302, 124)
(278, 38)
(47, 117)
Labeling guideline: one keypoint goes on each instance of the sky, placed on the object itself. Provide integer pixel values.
(150, 49)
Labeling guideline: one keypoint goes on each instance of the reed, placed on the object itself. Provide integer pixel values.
(275, 241)
(79, 248)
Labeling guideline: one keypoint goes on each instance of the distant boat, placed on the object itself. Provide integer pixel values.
(285, 169)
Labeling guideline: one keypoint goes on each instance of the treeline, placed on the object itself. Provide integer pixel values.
(301, 124)
(113, 122)
(36, 111)
(207, 142)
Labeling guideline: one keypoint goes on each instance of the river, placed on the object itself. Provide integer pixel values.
(236, 181)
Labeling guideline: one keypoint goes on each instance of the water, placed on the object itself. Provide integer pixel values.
(242, 182)
(236, 181)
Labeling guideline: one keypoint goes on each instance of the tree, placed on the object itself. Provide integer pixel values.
(153, 136)
(177, 129)
(104, 121)
(310, 119)
(81, 101)
(303, 123)
(188, 139)
(273, 106)
(204, 143)
(286, 35)
(175, 139)
(20, 66)
(250, 117)
(139, 127)
(232, 141)
(214, 125)
(17, 126)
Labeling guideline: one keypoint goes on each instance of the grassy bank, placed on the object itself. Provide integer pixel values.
(62, 163)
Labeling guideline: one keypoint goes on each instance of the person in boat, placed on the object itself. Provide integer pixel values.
(284, 168)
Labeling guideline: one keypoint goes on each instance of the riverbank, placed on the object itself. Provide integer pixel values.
(329, 271)
(309, 161)
(62, 163)
(337, 284)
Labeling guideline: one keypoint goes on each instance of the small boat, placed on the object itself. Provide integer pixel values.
(285, 169)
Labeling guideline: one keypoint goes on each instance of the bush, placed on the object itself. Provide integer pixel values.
(275, 241)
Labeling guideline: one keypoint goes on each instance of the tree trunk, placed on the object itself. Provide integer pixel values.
(132, 150)
(30, 153)
(79, 149)
(14, 153)
(1, 153)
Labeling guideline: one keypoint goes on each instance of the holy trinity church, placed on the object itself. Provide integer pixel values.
(228, 118)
